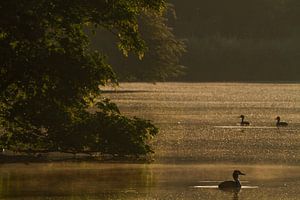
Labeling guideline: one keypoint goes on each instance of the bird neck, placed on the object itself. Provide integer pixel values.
(237, 182)
(235, 177)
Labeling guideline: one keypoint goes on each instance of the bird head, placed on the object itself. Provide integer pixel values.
(236, 174)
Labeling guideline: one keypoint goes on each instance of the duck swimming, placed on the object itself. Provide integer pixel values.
(232, 185)
(279, 123)
(244, 123)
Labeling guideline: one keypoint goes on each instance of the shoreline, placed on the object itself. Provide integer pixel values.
(109, 159)
(68, 157)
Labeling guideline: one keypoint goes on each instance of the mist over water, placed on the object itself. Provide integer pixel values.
(199, 145)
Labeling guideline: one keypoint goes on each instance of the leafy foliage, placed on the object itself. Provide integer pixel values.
(161, 61)
(49, 77)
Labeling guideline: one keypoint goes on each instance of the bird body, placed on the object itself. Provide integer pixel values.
(232, 185)
(279, 123)
(244, 123)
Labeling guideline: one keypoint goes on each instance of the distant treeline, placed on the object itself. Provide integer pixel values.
(232, 40)
(240, 40)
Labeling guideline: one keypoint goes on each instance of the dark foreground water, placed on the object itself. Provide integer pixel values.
(199, 145)
(144, 181)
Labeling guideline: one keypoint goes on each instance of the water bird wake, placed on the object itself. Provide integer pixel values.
(216, 186)
(227, 185)
(246, 127)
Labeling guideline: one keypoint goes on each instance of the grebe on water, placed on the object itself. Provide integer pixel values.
(279, 123)
(244, 123)
(232, 185)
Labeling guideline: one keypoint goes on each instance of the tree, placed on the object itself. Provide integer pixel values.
(161, 60)
(49, 77)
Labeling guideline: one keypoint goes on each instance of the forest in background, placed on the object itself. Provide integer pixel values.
(249, 40)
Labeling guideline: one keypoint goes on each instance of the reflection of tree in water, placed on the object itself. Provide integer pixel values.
(128, 178)
(103, 182)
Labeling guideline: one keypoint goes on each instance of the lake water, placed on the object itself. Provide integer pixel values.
(199, 145)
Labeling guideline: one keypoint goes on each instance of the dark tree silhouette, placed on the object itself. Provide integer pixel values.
(49, 77)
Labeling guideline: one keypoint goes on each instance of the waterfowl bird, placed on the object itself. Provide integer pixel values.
(244, 123)
(279, 123)
(232, 185)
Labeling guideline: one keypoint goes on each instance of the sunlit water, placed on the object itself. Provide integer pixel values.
(199, 145)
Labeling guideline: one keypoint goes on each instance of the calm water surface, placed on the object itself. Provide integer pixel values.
(199, 145)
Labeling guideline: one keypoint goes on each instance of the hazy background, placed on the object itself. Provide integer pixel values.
(248, 40)
(233, 40)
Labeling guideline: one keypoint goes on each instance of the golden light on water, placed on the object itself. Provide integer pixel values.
(199, 122)
(199, 145)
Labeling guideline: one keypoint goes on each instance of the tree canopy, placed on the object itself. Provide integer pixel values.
(49, 77)
(162, 57)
